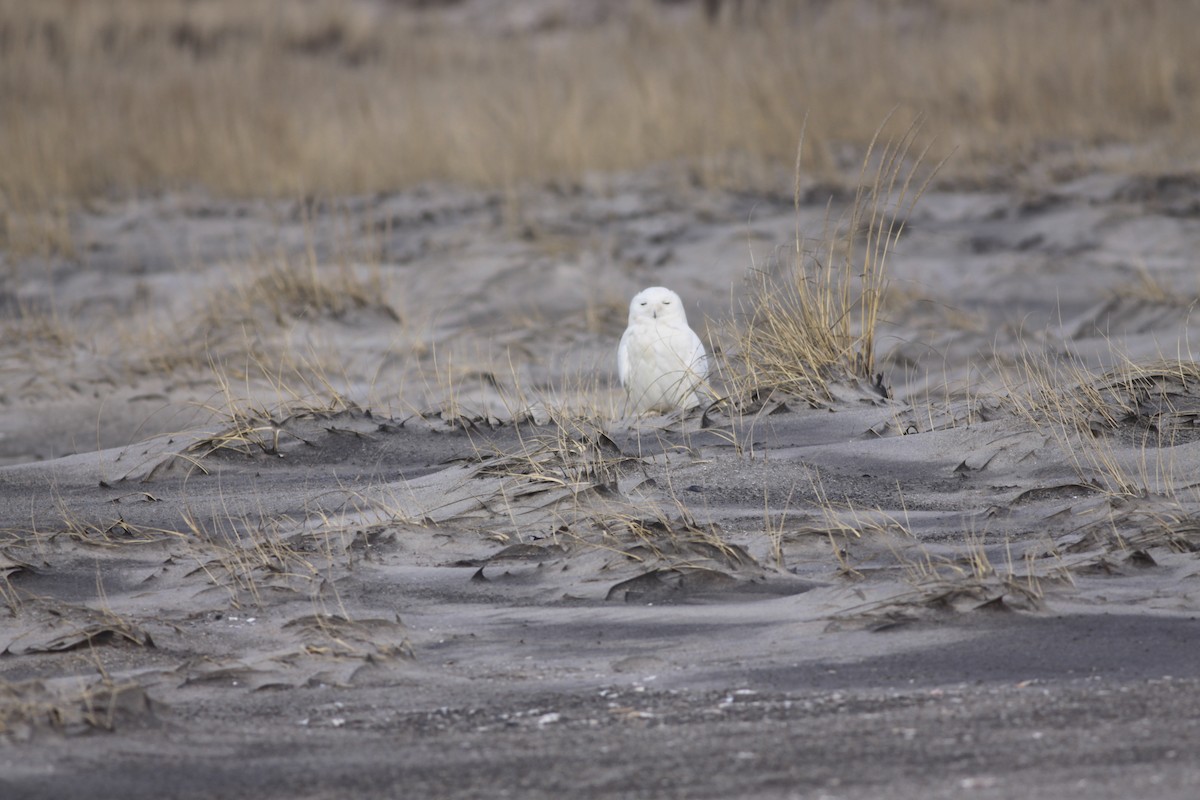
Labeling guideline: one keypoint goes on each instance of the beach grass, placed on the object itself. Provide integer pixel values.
(811, 318)
(329, 98)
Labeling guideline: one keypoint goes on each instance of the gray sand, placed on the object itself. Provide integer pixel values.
(491, 583)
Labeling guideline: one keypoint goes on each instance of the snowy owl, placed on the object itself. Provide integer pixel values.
(661, 360)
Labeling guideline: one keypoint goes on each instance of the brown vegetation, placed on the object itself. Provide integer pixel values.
(331, 97)
(813, 318)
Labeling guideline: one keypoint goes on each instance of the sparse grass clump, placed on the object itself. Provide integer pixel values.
(247, 557)
(813, 320)
(1151, 396)
(575, 454)
(100, 704)
(285, 291)
(1141, 410)
(249, 319)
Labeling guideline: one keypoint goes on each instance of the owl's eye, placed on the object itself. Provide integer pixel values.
(643, 302)
(666, 302)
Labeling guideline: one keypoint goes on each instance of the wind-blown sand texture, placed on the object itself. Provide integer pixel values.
(452, 576)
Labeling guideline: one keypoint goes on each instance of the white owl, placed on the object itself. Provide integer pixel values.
(661, 361)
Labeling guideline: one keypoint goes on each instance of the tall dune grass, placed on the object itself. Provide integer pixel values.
(812, 318)
(269, 97)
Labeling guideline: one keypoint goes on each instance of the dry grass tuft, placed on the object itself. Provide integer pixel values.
(286, 292)
(1132, 528)
(250, 320)
(253, 425)
(114, 532)
(975, 578)
(253, 431)
(968, 581)
(33, 344)
(576, 454)
(580, 468)
(1160, 398)
(246, 558)
(649, 531)
(41, 625)
(102, 704)
(813, 321)
(1093, 415)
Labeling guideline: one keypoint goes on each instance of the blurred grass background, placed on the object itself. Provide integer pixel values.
(290, 97)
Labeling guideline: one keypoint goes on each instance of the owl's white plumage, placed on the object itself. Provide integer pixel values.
(661, 361)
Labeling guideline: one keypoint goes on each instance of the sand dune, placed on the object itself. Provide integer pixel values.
(341, 502)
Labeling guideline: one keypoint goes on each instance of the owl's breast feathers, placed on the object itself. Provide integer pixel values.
(661, 364)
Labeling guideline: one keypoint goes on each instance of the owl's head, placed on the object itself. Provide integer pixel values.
(659, 304)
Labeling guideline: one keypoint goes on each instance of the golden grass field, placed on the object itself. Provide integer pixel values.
(325, 97)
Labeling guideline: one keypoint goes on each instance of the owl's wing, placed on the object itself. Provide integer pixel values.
(623, 358)
(698, 362)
